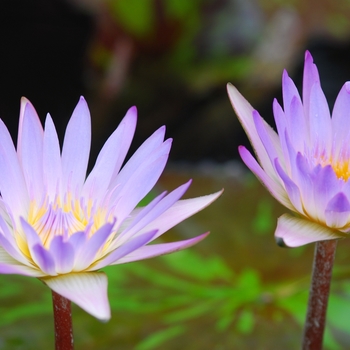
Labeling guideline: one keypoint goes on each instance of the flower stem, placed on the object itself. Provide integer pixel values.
(319, 292)
(63, 322)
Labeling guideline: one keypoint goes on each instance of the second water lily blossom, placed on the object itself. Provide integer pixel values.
(61, 227)
(306, 166)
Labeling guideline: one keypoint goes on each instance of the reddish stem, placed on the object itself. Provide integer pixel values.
(319, 292)
(63, 322)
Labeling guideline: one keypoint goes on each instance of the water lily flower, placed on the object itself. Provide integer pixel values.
(61, 227)
(306, 166)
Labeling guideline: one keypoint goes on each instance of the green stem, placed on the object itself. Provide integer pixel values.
(63, 322)
(318, 297)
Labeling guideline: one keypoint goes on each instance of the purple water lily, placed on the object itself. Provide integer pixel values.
(306, 166)
(61, 227)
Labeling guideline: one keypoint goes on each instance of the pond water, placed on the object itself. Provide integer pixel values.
(235, 290)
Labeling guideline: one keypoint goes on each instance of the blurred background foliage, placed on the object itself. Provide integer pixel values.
(172, 59)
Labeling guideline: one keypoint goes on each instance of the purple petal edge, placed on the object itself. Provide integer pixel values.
(154, 250)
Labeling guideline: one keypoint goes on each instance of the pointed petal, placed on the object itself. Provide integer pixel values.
(294, 232)
(150, 251)
(142, 153)
(178, 212)
(310, 77)
(340, 117)
(30, 234)
(297, 125)
(292, 155)
(111, 156)
(63, 255)
(291, 188)
(273, 151)
(124, 249)
(281, 124)
(156, 211)
(30, 150)
(23, 104)
(274, 187)
(290, 92)
(52, 168)
(27, 111)
(244, 113)
(135, 185)
(76, 147)
(12, 184)
(44, 259)
(92, 246)
(306, 180)
(88, 290)
(40, 255)
(320, 120)
(139, 213)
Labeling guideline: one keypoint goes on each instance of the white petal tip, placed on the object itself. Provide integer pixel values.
(24, 100)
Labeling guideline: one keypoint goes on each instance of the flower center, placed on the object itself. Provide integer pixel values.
(52, 218)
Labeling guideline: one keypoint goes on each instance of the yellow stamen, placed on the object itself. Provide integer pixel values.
(340, 166)
(342, 170)
(59, 218)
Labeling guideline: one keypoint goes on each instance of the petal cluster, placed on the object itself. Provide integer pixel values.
(306, 165)
(59, 226)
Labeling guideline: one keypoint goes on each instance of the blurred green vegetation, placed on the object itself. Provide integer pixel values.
(205, 43)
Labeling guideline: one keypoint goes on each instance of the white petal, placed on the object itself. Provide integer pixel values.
(86, 289)
(52, 168)
(12, 184)
(76, 147)
(294, 232)
(30, 149)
